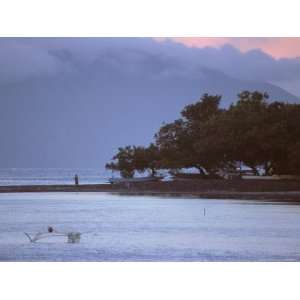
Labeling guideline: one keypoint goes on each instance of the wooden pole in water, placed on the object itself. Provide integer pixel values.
(204, 212)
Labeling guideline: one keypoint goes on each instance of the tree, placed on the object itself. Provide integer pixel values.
(136, 158)
(123, 162)
(294, 159)
(147, 159)
(188, 141)
(252, 132)
(243, 129)
(201, 111)
(284, 137)
(293, 140)
(175, 145)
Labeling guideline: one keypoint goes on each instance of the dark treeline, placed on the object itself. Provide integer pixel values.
(263, 135)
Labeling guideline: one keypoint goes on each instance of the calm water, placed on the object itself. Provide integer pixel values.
(137, 228)
(44, 176)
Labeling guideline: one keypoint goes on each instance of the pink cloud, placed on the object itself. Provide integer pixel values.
(202, 42)
(278, 47)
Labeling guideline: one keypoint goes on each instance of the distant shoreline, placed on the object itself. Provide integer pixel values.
(282, 190)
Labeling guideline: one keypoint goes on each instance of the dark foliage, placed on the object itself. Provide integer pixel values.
(255, 132)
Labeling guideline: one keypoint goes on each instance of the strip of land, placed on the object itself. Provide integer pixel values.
(279, 190)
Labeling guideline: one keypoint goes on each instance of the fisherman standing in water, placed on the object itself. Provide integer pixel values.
(76, 179)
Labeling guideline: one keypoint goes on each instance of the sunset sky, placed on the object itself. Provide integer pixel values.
(277, 47)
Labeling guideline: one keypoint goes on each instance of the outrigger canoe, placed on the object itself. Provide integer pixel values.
(72, 237)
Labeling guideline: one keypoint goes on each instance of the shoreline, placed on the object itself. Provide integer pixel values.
(211, 189)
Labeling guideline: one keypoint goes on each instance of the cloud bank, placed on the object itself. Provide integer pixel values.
(26, 58)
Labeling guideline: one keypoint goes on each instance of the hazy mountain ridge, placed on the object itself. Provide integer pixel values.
(65, 123)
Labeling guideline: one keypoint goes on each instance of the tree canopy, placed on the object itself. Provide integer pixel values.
(253, 131)
(136, 158)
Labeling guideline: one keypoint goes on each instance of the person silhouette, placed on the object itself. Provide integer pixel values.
(76, 179)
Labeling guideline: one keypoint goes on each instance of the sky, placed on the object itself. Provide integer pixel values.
(71, 102)
(278, 47)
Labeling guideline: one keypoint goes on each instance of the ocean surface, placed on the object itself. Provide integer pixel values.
(145, 228)
(43, 176)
